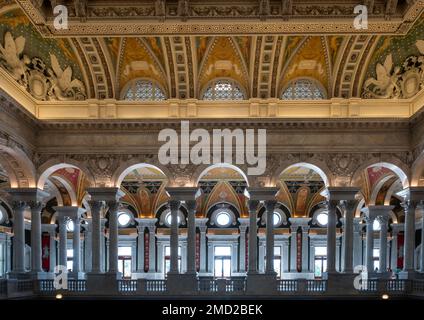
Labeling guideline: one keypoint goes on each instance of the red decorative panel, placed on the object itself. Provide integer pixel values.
(400, 241)
(45, 247)
(146, 251)
(299, 251)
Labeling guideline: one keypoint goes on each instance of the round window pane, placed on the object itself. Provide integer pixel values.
(124, 219)
(223, 219)
(322, 219)
(276, 218)
(376, 225)
(70, 226)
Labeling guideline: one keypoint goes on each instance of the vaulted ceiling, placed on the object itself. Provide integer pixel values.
(345, 65)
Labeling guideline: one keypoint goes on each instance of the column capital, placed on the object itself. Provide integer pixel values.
(340, 193)
(105, 194)
(174, 205)
(262, 194)
(71, 212)
(295, 223)
(396, 227)
(183, 194)
(146, 222)
(377, 211)
(27, 194)
(48, 227)
(201, 222)
(244, 222)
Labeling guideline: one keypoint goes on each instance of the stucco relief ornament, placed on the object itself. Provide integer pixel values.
(12, 59)
(399, 82)
(42, 82)
(63, 87)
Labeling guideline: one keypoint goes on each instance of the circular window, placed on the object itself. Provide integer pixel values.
(276, 218)
(322, 219)
(69, 225)
(223, 219)
(124, 219)
(168, 219)
(376, 225)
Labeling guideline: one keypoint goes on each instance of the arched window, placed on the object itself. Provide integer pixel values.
(223, 89)
(303, 89)
(143, 90)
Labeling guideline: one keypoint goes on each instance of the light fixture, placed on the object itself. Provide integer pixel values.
(59, 296)
(385, 296)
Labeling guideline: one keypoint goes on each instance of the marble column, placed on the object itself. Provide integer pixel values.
(36, 207)
(293, 246)
(396, 228)
(63, 235)
(87, 245)
(140, 248)
(348, 235)
(331, 236)
(383, 243)
(253, 237)
(269, 207)
(113, 236)
(152, 246)
(201, 224)
(76, 245)
(357, 242)
(104, 246)
(242, 248)
(175, 207)
(305, 248)
(96, 234)
(191, 237)
(370, 244)
(413, 198)
(19, 208)
(409, 245)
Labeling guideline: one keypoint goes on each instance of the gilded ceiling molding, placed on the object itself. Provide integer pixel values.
(329, 67)
(108, 63)
(277, 65)
(201, 17)
(170, 57)
(363, 67)
(85, 67)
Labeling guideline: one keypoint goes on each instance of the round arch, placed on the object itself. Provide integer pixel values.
(323, 173)
(19, 168)
(417, 170)
(47, 168)
(127, 167)
(396, 166)
(200, 174)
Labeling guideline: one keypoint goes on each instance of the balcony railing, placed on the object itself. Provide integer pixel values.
(127, 285)
(205, 286)
(287, 285)
(155, 285)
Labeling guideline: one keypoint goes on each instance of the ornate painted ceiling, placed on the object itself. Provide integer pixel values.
(81, 67)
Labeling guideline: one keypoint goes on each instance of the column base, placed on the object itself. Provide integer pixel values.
(77, 275)
(181, 283)
(342, 284)
(261, 283)
(102, 283)
(409, 274)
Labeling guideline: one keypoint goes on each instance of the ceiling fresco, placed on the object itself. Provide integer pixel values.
(182, 65)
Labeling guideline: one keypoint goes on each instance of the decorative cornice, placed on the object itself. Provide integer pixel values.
(201, 17)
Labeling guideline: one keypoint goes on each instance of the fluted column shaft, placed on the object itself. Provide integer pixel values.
(140, 248)
(242, 255)
(383, 244)
(175, 206)
(152, 248)
(18, 236)
(62, 240)
(331, 236)
(191, 236)
(370, 244)
(409, 245)
(95, 236)
(253, 236)
(36, 207)
(348, 236)
(113, 236)
(270, 206)
(76, 244)
(203, 268)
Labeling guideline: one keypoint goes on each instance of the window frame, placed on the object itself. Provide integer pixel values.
(313, 81)
(132, 84)
(212, 83)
